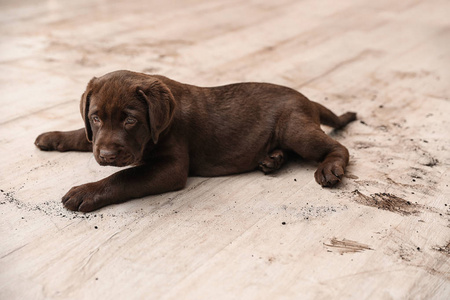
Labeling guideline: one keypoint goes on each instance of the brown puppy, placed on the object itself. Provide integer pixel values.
(168, 130)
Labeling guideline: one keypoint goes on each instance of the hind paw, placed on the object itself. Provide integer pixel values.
(272, 162)
(329, 174)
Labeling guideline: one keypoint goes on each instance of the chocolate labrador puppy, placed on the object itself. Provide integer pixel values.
(168, 130)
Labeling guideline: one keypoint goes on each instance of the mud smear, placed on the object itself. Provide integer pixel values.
(444, 249)
(388, 202)
(432, 162)
(346, 246)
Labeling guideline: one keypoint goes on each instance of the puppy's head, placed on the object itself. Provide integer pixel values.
(123, 112)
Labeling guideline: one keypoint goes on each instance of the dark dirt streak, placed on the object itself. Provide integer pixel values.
(443, 249)
(388, 202)
(346, 246)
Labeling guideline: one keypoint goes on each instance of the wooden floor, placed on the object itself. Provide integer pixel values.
(384, 233)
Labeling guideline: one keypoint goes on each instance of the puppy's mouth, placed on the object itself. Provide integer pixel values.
(125, 159)
(114, 164)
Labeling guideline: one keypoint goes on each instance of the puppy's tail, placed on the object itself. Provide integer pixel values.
(327, 117)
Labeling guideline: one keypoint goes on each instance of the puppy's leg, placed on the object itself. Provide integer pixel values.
(272, 161)
(164, 174)
(74, 140)
(314, 144)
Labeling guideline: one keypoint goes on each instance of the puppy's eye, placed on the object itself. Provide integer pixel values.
(95, 119)
(130, 121)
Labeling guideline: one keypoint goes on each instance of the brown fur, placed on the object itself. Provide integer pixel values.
(168, 130)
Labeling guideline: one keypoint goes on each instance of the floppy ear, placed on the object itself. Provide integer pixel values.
(84, 109)
(161, 106)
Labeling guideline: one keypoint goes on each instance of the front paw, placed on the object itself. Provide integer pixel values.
(50, 141)
(85, 198)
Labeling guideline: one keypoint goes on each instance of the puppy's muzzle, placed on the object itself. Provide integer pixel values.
(108, 156)
(112, 157)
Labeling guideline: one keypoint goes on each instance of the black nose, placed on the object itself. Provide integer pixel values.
(108, 156)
